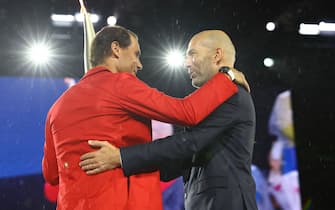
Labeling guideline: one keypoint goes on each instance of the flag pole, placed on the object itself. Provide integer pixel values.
(89, 35)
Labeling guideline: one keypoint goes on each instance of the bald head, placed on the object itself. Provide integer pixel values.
(208, 51)
(214, 39)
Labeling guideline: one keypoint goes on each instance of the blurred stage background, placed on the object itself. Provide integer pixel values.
(302, 64)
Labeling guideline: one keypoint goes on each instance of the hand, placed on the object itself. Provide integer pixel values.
(106, 158)
(240, 79)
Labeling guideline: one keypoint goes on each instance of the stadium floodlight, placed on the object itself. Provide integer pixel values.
(174, 59)
(39, 54)
(270, 26)
(309, 29)
(327, 27)
(268, 62)
(111, 20)
(79, 17)
(62, 20)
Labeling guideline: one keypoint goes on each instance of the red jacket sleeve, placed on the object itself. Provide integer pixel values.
(139, 98)
(49, 162)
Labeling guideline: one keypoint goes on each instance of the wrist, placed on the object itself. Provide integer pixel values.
(228, 71)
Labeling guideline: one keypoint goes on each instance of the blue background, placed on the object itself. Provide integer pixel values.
(25, 102)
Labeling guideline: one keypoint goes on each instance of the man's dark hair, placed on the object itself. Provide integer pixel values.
(101, 45)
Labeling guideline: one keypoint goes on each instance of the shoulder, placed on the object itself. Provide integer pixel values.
(125, 79)
(240, 97)
(239, 104)
(116, 80)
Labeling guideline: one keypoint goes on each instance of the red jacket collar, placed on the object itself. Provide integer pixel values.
(94, 70)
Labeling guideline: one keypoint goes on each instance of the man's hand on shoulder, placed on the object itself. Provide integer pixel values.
(240, 79)
(106, 158)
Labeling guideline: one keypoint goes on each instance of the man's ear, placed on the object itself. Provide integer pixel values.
(115, 48)
(218, 56)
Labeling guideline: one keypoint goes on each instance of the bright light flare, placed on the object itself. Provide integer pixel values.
(175, 59)
(39, 54)
(270, 26)
(268, 62)
(309, 29)
(62, 18)
(323, 26)
(111, 20)
(79, 17)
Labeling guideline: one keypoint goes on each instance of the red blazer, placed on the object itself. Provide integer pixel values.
(116, 107)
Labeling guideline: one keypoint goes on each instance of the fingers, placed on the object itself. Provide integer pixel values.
(89, 167)
(248, 88)
(246, 85)
(94, 171)
(87, 162)
(97, 143)
(88, 155)
(99, 160)
(240, 78)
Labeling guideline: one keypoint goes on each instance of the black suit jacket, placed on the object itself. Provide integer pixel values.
(216, 156)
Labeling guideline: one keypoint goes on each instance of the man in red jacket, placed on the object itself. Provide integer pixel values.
(111, 103)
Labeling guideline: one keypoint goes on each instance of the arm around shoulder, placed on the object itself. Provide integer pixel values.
(137, 97)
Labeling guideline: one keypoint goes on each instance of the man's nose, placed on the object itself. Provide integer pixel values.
(187, 63)
(139, 65)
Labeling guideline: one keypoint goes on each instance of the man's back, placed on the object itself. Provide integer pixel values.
(221, 176)
(116, 107)
(92, 109)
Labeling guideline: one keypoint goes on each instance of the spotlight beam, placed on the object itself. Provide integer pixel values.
(174, 58)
